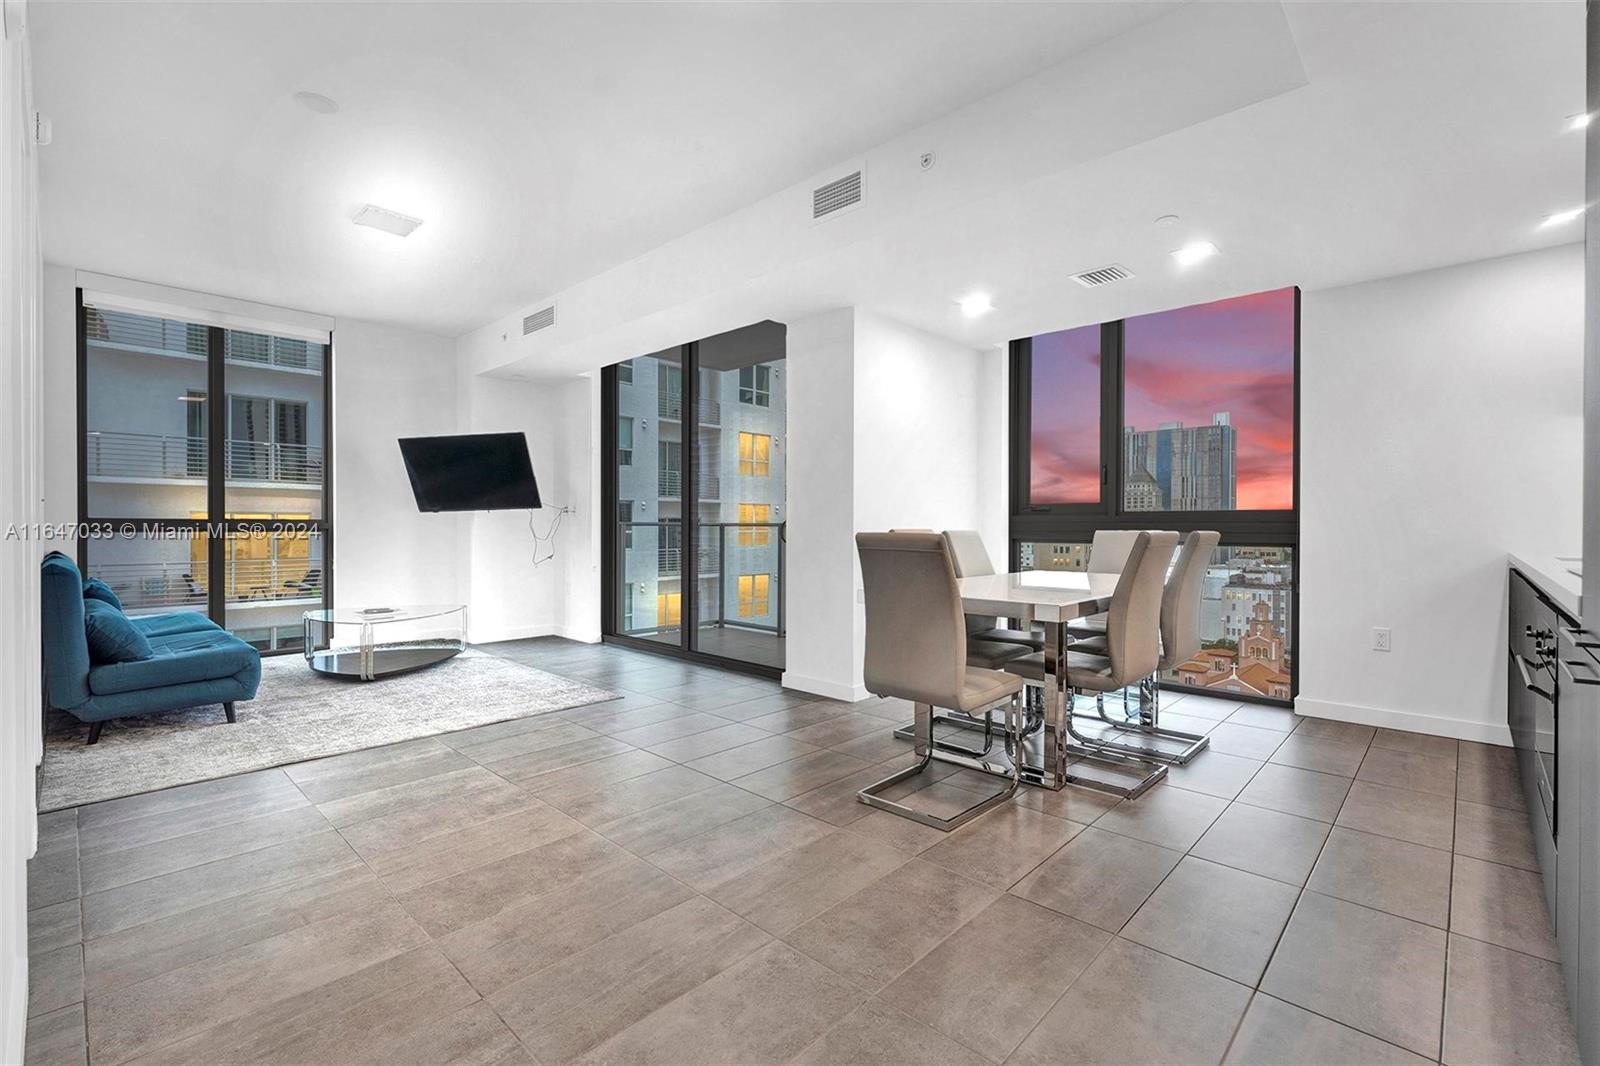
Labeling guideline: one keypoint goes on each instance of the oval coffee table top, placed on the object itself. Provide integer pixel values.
(377, 615)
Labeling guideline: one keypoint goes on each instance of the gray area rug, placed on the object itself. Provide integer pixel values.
(296, 715)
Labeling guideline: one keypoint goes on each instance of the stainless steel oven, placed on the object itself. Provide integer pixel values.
(1533, 708)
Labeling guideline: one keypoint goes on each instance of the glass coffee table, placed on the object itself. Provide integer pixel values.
(373, 642)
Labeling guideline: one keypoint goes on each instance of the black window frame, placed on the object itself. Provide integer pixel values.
(1077, 522)
(216, 476)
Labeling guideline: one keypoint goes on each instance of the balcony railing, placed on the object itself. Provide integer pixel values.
(144, 586)
(160, 336)
(148, 455)
(670, 405)
(729, 552)
(669, 561)
(670, 485)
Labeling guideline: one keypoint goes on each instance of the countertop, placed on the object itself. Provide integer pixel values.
(1553, 578)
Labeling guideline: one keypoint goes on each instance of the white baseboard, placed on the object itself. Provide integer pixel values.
(578, 633)
(498, 634)
(834, 690)
(1437, 725)
(15, 1013)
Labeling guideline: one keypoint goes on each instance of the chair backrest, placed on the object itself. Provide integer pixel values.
(916, 640)
(66, 643)
(1180, 602)
(1133, 625)
(1108, 554)
(967, 553)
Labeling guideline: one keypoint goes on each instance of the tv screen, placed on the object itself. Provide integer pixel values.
(470, 472)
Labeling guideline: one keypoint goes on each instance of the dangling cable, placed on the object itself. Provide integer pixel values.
(549, 535)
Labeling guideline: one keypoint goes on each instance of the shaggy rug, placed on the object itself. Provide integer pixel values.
(296, 715)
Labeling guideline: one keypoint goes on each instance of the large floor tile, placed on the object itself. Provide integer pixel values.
(764, 1009)
(1502, 905)
(838, 802)
(362, 771)
(55, 979)
(1495, 834)
(1503, 1006)
(1406, 769)
(1295, 791)
(801, 775)
(263, 784)
(1281, 846)
(267, 796)
(106, 869)
(199, 886)
(1246, 741)
(1275, 1033)
(1418, 743)
(633, 796)
(840, 731)
(1218, 918)
(53, 872)
(1214, 773)
(1001, 847)
(434, 858)
(527, 937)
(1313, 753)
(57, 1038)
(800, 716)
(1328, 729)
(676, 820)
(55, 926)
(392, 818)
(671, 729)
(524, 767)
(473, 895)
(1137, 1005)
(1491, 780)
(1385, 874)
(565, 1009)
(875, 1034)
(151, 1014)
(697, 745)
(1372, 971)
(155, 947)
(1166, 815)
(800, 884)
(1099, 877)
(959, 989)
(590, 775)
(1281, 719)
(875, 935)
(721, 854)
(1402, 813)
(745, 759)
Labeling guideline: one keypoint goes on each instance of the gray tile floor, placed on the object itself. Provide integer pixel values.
(685, 876)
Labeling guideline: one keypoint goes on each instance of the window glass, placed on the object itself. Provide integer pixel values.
(1208, 406)
(1064, 465)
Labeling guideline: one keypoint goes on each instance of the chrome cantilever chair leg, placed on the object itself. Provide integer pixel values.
(929, 749)
(1147, 723)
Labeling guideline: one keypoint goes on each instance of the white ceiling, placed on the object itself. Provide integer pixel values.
(540, 143)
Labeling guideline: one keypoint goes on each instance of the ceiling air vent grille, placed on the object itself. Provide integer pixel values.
(1093, 279)
(836, 196)
(539, 320)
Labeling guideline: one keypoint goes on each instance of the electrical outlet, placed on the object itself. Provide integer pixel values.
(1380, 638)
(861, 595)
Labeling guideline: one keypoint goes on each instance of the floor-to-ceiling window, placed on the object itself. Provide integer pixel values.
(696, 459)
(1183, 419)
(212, 506)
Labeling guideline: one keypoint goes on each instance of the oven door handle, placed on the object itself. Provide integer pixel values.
(1594, 673)
(1527, 681)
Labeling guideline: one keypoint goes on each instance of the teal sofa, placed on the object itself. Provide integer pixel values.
(101, 663)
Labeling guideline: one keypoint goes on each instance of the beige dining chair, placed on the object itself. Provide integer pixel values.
(1132, 647)
(1180, 639)
(996, 644)
(917, 651)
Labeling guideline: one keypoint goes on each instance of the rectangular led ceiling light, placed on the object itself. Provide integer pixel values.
(381, 218)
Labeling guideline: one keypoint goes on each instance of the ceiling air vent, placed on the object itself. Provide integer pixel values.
(836, 196)
(1093, 279)
(539, 320)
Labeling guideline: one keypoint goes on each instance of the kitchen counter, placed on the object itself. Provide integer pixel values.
(1553, 578)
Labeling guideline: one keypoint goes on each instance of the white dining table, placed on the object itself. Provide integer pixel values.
(1051, 599)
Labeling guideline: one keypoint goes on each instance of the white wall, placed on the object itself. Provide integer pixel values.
(1440, 428)
(21, 488)
(888, 427)
(390, 383)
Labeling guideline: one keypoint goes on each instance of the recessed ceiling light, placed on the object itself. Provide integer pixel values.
(1190, 254)
(1579, 122)
(1560, 217)
(322, 105)
(385, 220)
(977, 304)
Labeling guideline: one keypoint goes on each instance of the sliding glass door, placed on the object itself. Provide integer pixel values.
(217, 507)
(695, 485)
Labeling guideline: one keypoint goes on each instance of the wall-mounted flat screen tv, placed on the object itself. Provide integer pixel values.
(471, 472)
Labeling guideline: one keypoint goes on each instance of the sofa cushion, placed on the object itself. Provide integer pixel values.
(178, 659)
(66, 644)
(162, 625)
(112, 638)
(95, 589)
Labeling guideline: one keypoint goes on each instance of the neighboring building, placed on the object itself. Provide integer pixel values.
(1193, 468)
(740, 454)
(1039, 556)
(1260, 667)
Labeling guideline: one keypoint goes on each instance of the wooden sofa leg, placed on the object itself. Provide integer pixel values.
(94, 732)
(228, 707)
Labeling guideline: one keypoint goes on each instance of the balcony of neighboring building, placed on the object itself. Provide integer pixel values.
(118, 331)
(150, 458)
(669, 405)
